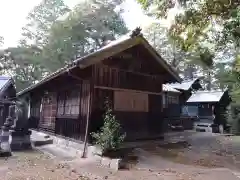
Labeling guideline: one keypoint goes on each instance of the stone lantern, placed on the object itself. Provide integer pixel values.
(5, 149)
(20, 133)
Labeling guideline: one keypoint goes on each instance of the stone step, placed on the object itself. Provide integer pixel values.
(42, 142)
(40, 139)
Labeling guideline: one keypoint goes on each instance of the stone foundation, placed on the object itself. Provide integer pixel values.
(113, 164)
(76, 148)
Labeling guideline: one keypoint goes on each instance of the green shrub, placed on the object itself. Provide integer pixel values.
(109, 138)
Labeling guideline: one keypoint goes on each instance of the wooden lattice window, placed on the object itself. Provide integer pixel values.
(61, 102)
(68, 102)
(72, 102)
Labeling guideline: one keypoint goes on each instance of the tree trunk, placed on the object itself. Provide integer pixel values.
(209, 79)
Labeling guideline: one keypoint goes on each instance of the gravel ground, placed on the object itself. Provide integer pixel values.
(33, 165)
(200, 159)
(203, 149)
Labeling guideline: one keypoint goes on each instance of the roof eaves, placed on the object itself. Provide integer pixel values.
(77, 62)
(180, 86)
(193, 98)
(83, 62)
(167, 88)
(161, 60)
(44, 80)
(6, 85)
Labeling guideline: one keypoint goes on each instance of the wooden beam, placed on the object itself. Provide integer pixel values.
(129, 71)
(132, 90)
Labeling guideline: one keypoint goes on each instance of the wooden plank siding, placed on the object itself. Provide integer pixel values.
(136, 123)
(117, 78)
(34, 118)
(63, 111)
(138, 76)
(74, 125)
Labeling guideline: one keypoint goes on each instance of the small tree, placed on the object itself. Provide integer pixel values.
(109, 138)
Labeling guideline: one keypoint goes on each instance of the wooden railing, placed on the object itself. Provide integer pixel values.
(117, 78)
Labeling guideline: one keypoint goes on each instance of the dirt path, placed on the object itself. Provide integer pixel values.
(208, 158)
(33, 165)
(201, 149)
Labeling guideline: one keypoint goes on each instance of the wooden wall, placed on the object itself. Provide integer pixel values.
(64, 110)
(138, 73)
(137, 124)
(105, 76)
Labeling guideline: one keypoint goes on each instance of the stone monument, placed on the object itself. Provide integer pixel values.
(5, 149)
(20, 133)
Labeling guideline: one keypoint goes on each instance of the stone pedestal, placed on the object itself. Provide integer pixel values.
(20, 140)
(5, 149)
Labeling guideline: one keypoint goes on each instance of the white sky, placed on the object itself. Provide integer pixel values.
(13, 17)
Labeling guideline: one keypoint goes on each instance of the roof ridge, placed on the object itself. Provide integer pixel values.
(130, 39)
(5, 77)
(207, 91)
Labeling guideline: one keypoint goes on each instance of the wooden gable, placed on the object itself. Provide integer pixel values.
(136, 59)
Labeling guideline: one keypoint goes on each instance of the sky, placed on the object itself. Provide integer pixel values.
(14, 12)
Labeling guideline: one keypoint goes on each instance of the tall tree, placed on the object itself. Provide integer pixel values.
(41, 19)
(24, 63)
(181, 60)
(87, 28)
(19, 63)
(157, 35)
(215, 24)
(54, 36)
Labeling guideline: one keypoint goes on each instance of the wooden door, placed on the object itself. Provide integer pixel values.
(48, 112)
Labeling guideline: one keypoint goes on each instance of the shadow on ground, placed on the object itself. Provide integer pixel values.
(200, 149)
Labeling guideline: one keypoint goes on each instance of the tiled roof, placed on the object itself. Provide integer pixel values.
(168, 88)
(115, 46)
(4, 81)
(184, 85)
(206, 96)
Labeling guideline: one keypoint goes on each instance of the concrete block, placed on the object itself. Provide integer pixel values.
(115, 164)
(105, 162)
